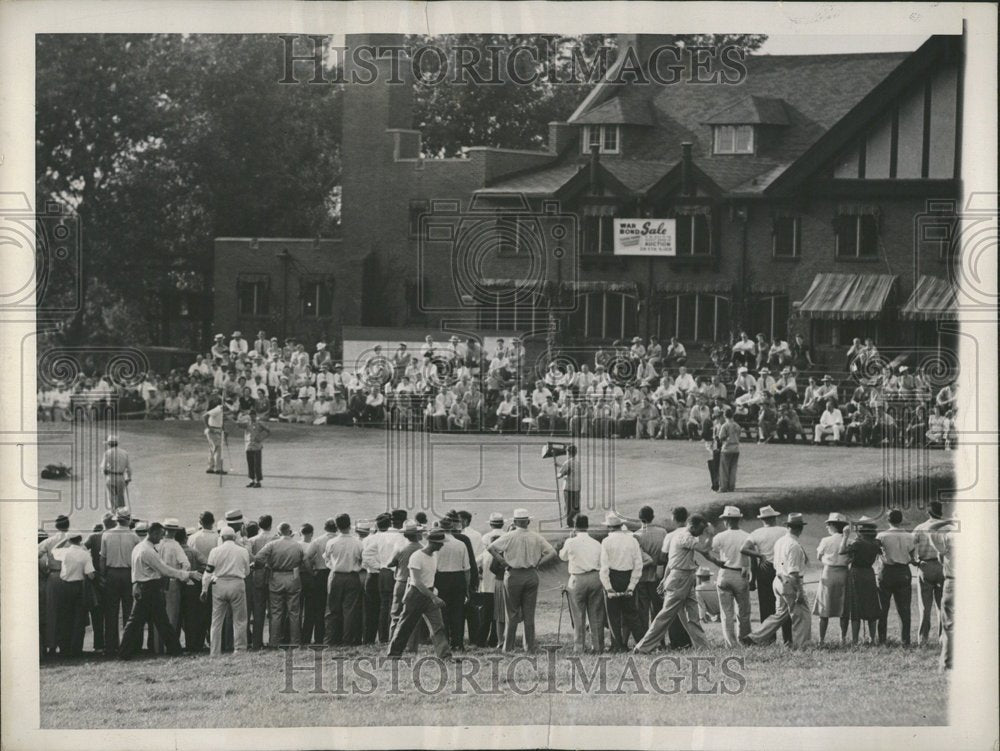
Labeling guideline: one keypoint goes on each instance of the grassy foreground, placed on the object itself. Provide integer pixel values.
(829, 685)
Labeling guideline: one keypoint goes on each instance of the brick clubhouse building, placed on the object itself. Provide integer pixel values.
(814, 196)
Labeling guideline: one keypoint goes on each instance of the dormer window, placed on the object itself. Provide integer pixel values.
(605, 137)
(734, 139)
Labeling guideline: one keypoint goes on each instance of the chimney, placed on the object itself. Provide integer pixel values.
(594, 160)
(561, 136)
(687, 173)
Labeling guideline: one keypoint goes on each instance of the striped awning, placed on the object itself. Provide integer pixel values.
(932, 300)
(626, 288)
(708, 286)
(847, 296)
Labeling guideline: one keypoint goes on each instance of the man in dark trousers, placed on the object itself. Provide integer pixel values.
(454, 569)
(254, 435)
(147, 593)
(458, 524)
(93, 546)
(115, 567)
(569, 472)
(762, 569)
(711, 438)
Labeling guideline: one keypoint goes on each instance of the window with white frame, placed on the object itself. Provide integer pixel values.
(734, 139)
(317, 298)
(597, 235)
(694, 317)
(607, 139)
(605, 315)
(856, 236)
(769, 316)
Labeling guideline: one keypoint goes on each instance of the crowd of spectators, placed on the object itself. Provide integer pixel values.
(636, 390)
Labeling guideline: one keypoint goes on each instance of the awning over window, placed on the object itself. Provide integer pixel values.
(707, 286)
(932, 300)
(847, 296)
(625, 288)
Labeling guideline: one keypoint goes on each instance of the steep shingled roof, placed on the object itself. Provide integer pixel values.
(751, 110)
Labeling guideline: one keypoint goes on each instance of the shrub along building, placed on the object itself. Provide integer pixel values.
(789, 201)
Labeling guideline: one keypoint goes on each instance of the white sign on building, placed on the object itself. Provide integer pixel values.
(645, 237)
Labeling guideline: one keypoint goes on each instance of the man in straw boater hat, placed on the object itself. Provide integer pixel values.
(790, 561)
(762, 542)
(116, 470)
(522, 552)
(492, 613)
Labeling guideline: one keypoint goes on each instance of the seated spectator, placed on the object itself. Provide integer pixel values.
(669, 423)
(767, 419)
(744, 352)
(786, 389)
(550, 419)
(853, 353)
(917, 427)
(238, 345)
(676, 354)
(859, 427)
(717, 391)
(506, 413)
(802, 356)
(788, 427)
(172, 406)
(707, 596)
(200, 368)
(374, 413)
(779, 354)
(219, 350)
(698, 417)
(744, 384)
(458, 416)
(648, 420)
(831, 423)
(637, 351)
(155, 405)
(947, 397)
(827, 391)
(654, 352)
(647, 375)
(684, 384)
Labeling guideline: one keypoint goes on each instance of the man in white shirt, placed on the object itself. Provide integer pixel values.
(586, 593)
(492, 614)
(621, 570)
(77, 565)
(894, 579)
(734, 575)
(226, 572)
(831, 423)
(684, 382)
(790, 563)
(215, 434)
(238, 345)
(421, 602)
(762, 542)
(376, 555)
(931, 579)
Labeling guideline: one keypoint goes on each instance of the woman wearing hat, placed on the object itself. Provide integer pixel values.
(832, 589)
(861, 602)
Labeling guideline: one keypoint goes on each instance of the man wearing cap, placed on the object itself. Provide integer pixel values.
(708, 596)
(894, 580)
(492, 614)
(77, 566)
(586, 594)
(219, 350)
(95, 604)
(260, 598)
(117, 544)
(116, 470)
(678, 586)
(215, 434)
(523, 552)
(147, 591)
(226, 572)
(620, 570)
(343, 604)
(569, 473)
(314, 585)
(734, 575)
(931, 579)
(762, 542)
(285, 563)
(454, 575)
(413, 535)
(790, 563)
(51, 564)
(420, 603)
(172, 554)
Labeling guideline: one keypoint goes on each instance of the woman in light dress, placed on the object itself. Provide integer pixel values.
(832, 590)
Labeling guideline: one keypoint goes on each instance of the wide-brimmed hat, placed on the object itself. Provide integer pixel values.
(235, 515)
(836, 517)
(767, 512)
(613, 519)
(410, 526)
(731, 512)
(866, 522)
(436, 536)
(826, 378)
(636, 339)
(171, 524)
(320, 345)
(124, 516)
(220, 336)
(795, 520)
(237, 333)
(741, 371)
(521, 513)
(764, 371)
(496, 517)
